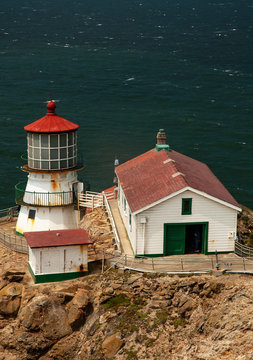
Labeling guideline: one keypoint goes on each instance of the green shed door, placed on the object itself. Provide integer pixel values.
(174, 239)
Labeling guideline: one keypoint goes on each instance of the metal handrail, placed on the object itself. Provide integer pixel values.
(43, 198)
(9, 212)
(243, 250)
(182, 264)
(14, 242)
(108, 208)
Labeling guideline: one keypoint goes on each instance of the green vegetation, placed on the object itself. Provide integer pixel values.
(131, 316)
(131, 321)
(131, 354)
(116, 301)
(179, 322)
(185, 275)
(162, 316)
(149, 342)
(250, 242)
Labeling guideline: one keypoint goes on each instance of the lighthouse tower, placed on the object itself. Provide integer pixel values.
(48, 198)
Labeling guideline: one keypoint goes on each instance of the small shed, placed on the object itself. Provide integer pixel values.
(57, 255)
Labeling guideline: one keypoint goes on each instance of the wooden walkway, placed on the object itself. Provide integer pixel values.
(125, 242)
(189, 263)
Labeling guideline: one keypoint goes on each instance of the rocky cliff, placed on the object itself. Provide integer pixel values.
(245, 226)
(124, 316)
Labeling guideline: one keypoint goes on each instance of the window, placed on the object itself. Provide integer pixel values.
(31, 214)
(52, 151)
(186, 206)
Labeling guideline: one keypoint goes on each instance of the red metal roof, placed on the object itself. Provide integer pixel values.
(51, 123)
(37, 239)
(154, 175)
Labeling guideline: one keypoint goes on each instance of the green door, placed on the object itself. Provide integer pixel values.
(174, 239)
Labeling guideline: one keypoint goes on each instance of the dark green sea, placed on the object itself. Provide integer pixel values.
(122, 70)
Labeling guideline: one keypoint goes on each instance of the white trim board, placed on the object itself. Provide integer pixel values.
(183, 190)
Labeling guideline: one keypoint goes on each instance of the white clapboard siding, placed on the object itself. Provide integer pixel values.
(221, 219)
(60, 259)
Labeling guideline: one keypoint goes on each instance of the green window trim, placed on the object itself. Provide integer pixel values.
(130, 221)
(186, 206)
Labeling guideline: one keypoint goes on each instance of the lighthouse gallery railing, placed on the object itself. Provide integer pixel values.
(43, 198)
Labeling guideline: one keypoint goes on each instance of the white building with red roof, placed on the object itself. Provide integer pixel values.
(173, 204)
(57, 255)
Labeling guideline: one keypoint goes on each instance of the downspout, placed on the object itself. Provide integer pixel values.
(143, 234)
(143, 221)
(136, 232)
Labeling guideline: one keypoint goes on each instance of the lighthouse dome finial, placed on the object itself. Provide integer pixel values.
(51, 107)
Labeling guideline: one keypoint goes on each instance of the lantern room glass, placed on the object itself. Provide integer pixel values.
(52, 151)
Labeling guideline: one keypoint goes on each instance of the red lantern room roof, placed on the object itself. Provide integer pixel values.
(51, 123)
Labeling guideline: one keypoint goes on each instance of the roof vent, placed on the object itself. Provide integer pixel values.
(161, 141)
(177, 174)
(168, 160)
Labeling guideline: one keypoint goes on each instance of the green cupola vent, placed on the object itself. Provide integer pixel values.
(161, 141)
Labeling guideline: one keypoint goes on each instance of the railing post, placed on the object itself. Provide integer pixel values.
(217, 261)
(153, 266)
(244, 268)
(182, 265)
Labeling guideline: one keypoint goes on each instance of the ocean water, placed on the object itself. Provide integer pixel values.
(122, 70)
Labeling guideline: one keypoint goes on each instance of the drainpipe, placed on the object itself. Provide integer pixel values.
(136, 232)
(143, 221)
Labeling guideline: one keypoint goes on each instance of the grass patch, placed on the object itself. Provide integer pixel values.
(178, 322)
(162, 316)
(149, 342)
(116, 301)
(131, 354)
(184, 275)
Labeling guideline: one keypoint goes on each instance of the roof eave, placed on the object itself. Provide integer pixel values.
(159, 201)
(222, 202)
(210, 197)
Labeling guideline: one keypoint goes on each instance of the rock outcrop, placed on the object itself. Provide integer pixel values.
(245, 226)
(10, 298)
(128, 316)
(97, 225)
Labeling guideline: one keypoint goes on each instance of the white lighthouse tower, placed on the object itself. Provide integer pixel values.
(48, 198)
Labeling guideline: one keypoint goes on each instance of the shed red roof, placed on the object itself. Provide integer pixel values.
(154, 175)
(37, 239)
(51, 123)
